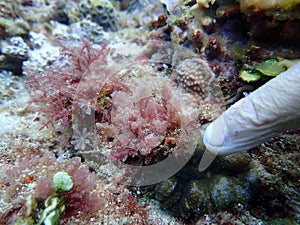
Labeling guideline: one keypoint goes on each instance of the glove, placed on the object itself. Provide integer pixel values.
(271, 109)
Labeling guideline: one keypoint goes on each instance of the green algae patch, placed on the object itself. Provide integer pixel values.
(250, 76)
(270, 68)
(62, 182)
(287, 63)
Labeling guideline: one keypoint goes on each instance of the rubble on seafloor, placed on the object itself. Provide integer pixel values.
(178, 64)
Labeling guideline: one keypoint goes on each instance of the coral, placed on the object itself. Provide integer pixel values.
(14, 53)
(13, 27)
(9, 86)
(213, 48)
(43, 53)
(89, 30)
(7, 78)
(11, 22)
(155, 104)
(40, 11)
(81, 139)
(101, 12)
(16, 50)
(130, 5)
(198, 37)
(195, 76)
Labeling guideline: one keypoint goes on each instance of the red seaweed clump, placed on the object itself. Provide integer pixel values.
(135, 109)
(55, 89)
(147, 116)
(35, 173)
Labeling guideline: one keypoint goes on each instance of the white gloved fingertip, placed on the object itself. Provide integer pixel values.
(207, 158)
(214, 136)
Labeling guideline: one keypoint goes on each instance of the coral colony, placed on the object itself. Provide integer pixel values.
(94, 91)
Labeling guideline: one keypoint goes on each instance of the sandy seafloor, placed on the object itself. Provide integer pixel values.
(22, 138)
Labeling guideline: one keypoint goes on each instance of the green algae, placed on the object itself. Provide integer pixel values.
(250, 76)
(62, 182)
(288, 63)
(270, 67)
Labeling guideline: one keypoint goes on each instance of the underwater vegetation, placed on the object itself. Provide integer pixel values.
(134, 110)
(111, 64)
(77, 195)
(125, 116)
(269, 67)
(59, 86)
